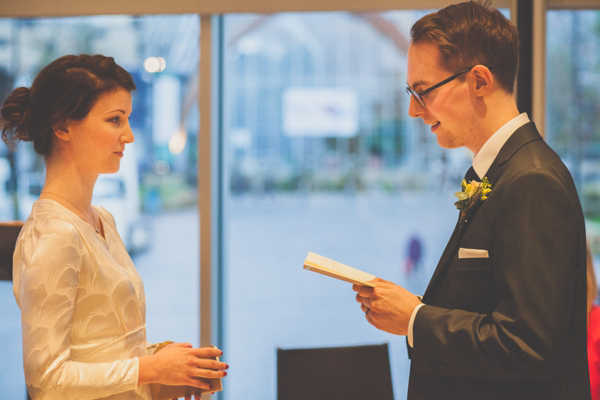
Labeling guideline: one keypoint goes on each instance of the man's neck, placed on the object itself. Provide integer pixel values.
(498, 111)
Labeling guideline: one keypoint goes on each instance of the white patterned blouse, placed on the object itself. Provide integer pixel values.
(83, 310)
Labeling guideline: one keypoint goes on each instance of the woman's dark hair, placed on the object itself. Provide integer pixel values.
(471, 33)
(65, 89)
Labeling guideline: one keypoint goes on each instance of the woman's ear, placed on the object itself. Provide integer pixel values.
(61, 131)
(483, 80)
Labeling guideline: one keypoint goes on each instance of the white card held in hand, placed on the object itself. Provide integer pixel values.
(334, 269)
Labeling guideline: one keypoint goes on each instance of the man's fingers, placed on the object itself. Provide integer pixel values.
(366, 291)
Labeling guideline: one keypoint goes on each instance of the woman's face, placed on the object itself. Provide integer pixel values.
(98, 140)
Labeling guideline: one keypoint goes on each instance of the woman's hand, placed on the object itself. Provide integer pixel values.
(181, 364)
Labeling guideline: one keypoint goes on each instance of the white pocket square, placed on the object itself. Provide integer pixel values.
(472, 253)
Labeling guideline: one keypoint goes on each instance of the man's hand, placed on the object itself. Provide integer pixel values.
(387, 306)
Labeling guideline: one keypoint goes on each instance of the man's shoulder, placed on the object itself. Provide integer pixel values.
(532, 153)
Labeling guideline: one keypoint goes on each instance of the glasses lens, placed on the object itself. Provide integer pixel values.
(414, 94)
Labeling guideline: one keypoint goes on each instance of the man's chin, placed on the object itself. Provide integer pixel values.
(446, 144)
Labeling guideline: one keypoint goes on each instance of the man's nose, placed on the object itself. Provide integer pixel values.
(415, 109)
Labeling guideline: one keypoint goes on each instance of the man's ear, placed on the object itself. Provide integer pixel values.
(483, 80)
(61, 131)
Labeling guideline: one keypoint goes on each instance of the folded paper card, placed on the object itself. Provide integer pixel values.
(334, 269)
(472, 253)
(167, 392)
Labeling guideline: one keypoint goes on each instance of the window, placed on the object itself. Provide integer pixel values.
(320, 155)
(573, 102)
(153, 197)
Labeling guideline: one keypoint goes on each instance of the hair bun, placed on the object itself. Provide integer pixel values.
(15, 116)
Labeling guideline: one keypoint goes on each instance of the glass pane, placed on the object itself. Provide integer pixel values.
(572, 105)
(153, 197)
(12, 380)
(321, 156)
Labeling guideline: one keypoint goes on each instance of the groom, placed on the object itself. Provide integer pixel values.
(504, 315)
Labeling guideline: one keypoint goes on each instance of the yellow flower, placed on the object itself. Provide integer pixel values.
(471, 193)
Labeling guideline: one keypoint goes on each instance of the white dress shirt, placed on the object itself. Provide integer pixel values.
(481, 163)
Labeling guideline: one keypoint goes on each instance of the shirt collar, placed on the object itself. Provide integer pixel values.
(486, 156)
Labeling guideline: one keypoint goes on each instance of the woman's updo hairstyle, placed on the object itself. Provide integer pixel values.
(66, 89)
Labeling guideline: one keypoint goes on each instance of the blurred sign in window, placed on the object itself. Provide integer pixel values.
(324, 112)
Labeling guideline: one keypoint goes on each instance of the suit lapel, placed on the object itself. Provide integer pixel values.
(522, 136)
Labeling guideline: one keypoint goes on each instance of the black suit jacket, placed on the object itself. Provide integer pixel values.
(513, 325)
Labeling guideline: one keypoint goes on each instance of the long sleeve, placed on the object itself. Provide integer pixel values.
(524, 333)
(73, 337)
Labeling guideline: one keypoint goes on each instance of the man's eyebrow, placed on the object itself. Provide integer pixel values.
(417, 84)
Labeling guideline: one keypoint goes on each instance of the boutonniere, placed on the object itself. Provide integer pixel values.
(471, 193)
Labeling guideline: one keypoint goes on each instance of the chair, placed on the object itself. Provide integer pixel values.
(345, 373)
(9, 231)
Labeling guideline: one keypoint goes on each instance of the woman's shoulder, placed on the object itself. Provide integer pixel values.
(48, 217)
(48, 238)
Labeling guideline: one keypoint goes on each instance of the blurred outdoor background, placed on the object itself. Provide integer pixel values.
(319, 155)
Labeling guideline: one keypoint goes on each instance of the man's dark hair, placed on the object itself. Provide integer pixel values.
(469, 34)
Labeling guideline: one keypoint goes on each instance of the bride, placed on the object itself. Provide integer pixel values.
(81, 299)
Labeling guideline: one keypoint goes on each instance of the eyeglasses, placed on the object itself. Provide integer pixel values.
(419, 96)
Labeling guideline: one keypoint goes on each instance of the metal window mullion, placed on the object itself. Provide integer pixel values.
(210, 178)
(539, 65)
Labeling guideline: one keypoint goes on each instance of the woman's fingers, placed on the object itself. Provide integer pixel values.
(208, 373)
(207, 352)
(209, 363)
(181, 364)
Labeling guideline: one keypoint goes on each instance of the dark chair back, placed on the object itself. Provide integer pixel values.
(344, 373)
(9, 231)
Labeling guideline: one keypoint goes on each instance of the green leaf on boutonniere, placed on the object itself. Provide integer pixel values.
(471, 193)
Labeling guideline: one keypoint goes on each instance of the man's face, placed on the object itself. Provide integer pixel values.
(448, 109)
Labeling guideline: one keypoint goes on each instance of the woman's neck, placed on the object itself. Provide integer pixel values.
(66, 182)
